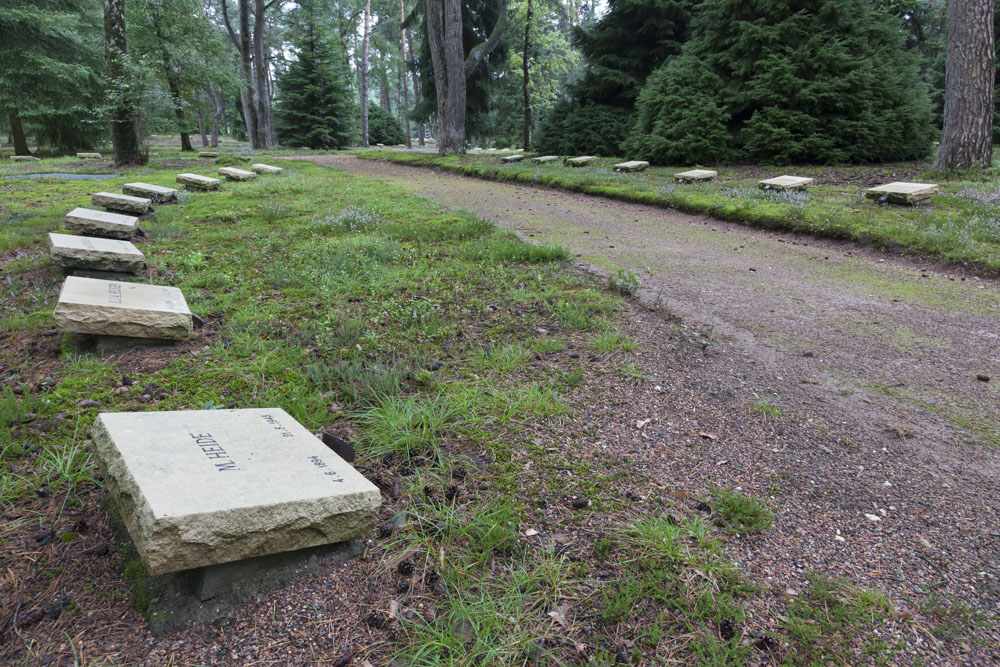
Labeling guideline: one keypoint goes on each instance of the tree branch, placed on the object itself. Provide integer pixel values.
(229, 26)
(483, 49)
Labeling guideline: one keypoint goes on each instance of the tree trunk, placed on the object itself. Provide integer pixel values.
(364, 73)
(385, 101)
(124, 119)
(242, 43)
(416, 89)
(201, 122)
(526, 73)
(218, 115)
(967, 135)
(406, 93)
(17, 134)
(262, 99)
(452, 68)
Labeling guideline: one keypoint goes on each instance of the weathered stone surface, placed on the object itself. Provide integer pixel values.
(89, 156)
(85, 252)
(904, 193)
(198, 182)
(581, 161)
(234, 174)
(121, 203)
(544, 158)
(24, 158)
(208, 154)
(632, 165)
(203, 487)
(155, 193)
(101, 223)
(695, 175)
(786, 183)
(261, 168)
(516, 157)
(113, 308)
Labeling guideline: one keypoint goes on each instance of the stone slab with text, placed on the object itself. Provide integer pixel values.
(234, 174)
(632, 165)
(112, 308)
(695, 175)
(86, 252)
(262, 168)
(900, 192)
(198, 181)
(203, 487)
(581, 161)
(121, 203)
(786, 183)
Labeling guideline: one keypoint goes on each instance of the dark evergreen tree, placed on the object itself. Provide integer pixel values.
(314, 108)
(383, 127)
(791, 81)
(50, 72)
(620, 50)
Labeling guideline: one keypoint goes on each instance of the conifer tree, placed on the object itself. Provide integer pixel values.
(383, 127)
(795, 81)
(50, 61)
(314, 106)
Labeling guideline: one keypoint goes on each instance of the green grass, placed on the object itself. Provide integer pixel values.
(739, 513)
(960, 225)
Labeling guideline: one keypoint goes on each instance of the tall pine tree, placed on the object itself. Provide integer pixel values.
(792, 81)
(314, 107)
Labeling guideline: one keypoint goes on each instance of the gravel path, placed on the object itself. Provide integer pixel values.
(886, 341)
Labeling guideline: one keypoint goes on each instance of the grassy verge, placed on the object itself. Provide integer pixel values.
(449, 352)
(960, 226)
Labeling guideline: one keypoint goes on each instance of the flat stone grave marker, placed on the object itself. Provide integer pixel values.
(121, 203)
(85, 252)
(516, 157)
(89, 156)
(544, 158)
(695, 175)
(901, 192)
(155, 193)
(204, 487)
(261, 168)
(112, 308)
(24, 158)
(632, 165)
(581, 161)
(198, 182)
(101, 223)
(234, 174)
(786, 183)
(208, 154)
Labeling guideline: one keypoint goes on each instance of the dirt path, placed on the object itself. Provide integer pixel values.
(860, 337)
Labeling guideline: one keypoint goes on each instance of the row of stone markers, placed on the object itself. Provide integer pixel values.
(897, 192)
(213, 495)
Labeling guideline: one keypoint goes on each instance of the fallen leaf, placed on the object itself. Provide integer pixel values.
(709, 436)
(642, 422)
(531, 532)
(559, 614)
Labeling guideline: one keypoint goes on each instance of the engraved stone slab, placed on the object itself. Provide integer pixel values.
(155, 193)
(261, 168)
(544, 158)
(203, 487)
(632, 165)
(516, 157)
(112, 308)
(234, 174)
(208, 154)
(786, 183)
(695, 175)
(198, 182)
(121, 203)
(89, 156)
(904, 193)
(101, 223)
(24, 158)
(85, 252)
(581, 161)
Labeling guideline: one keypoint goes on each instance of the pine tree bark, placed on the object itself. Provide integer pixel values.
(124, 118)
(364, 72)
(403, 68)
(242, 44)
(261, 93)
(452, 68)
(526, 74)
(967, 135)
(17, 134)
